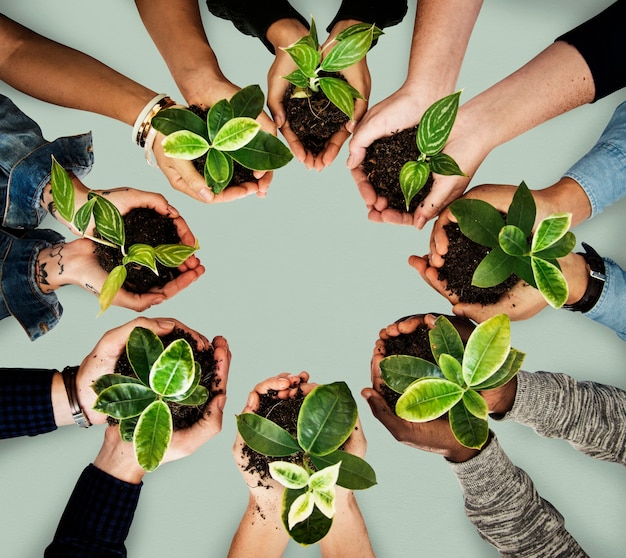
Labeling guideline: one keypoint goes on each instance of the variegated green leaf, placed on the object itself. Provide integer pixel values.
(550, 230)
(400, 371)
(108, 380)
(512, 240)
(113, 283)
(348, 51)
(358, 28)
(153, 434)
(340, 94)
(174, 371)
(441, 163)
(127, 428)
(305, 57)
(468, 429)
(413, 177)
(185, 145)
(196, 398)
(559, 249)
(266, 437)
(428, 399)
(220, 113)
(436, 124)
(168, 121)
(511, 366)
(325, 501)
(309, 531)
(451, 369)
(173, 255)
(236, 133)
(142, 254)
(143, 348)
(444, 338)
(83, 215)
(124, 400)
(325, 478)
(220, 167)
(486, 349)
(62, 191)
(108, 219)
(301, 509)
(298, 78)
(475, 404)
(288, 474)
(550, 282)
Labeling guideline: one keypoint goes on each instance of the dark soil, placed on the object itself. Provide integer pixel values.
(182, 416)
(283, 412)
(415, 344)
(461, 261)
(313, 119)
(143, 226)
(240, 173)
(383, 161)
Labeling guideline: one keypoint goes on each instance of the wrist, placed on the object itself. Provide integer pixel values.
(46, 201)
(565, 196)
(117, 458)
(585, 275)
(48, 268)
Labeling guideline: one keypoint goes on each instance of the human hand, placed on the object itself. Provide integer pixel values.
(75, 263)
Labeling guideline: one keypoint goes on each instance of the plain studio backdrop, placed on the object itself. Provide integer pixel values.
(302, 280)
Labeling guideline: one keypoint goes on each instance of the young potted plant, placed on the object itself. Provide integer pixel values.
(399, 167)
(225, 140)
(116, 255)
(319, 100)
(512, 248)
(312, 462)
(451, 383)
(160, 385)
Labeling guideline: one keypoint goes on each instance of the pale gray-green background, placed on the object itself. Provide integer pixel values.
(303, 281)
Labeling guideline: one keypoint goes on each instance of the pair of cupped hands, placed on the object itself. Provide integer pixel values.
(434, 436)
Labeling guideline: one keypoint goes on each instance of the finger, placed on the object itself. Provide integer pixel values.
(181, 282)
(381, 410)
(264, 183)
(364, 186)
(396, 217)
(439, 238)
(330, 152)
(295, 144)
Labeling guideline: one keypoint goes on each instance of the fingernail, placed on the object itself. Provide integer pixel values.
(172, 211)
(166, 324)
(206, 195)
(421, 221)
(349, 162)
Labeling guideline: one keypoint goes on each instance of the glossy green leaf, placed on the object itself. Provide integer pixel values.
(83, 215)
(124, 400)
(512, 240)
(352, 48)
(413, 177)
(288, 474)
(355, 473)
(326, 419)
(325, 501)
(444, 338)
(436, 124)
(522, 268)
(298, 79)
(112, 284)
(263, 152)
(236, 133)
(143, 348)
(142, 254)
(62, 191)
(173, 255)
(309, 531)
(400, 371)
(185, 145)
(428, 399)
(153, 434)
(220, 113)
(325, 478)
(441, 163)
(358, 28)
(220, 166)
(469, 430)
(478, 220)
(196, 398)
(108, 380)
(174, 371)
(311, 39)
(305, 57)
(168, 121)
(559, 249)
(108, 219)
(475, 404)
(340, 94)
(550, 230)
(522, 211)
(248, 101)
(550, 282)
(509, 368)
(127, 428)
(301, 509)
(451, 369)
(486, 349)
(266, 437)
(494, 268)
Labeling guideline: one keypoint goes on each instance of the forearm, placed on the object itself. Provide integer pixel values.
(63, 76)
(261, 532)
(502, 503)
(382, 13)
(348, 535)
(590, 416)
(436, 56)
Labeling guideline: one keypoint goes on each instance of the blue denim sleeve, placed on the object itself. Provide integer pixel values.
(25, 163)
(610, 310)
(602, 172)
(20, 295)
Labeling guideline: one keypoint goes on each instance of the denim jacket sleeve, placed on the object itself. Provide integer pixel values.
(25, 164)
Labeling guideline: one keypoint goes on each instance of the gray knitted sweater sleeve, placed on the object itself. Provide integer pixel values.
(500, 498)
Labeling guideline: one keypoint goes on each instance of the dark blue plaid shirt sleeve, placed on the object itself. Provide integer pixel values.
(97, 518)
(25, 403)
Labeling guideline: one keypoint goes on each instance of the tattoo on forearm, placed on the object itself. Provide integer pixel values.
(92, 289)
(57, 253)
